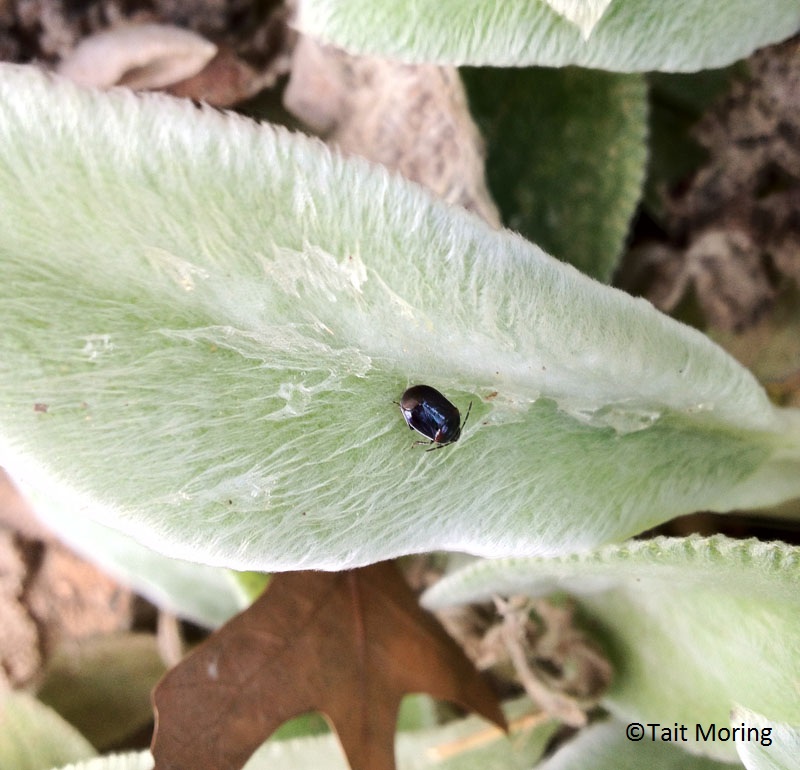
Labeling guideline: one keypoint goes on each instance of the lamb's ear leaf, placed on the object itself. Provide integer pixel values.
(131, 760)
(32, 735)
(205, 323)
(206, 595)
(625, 36)
(605, 746)
(763, 744)
(677, 618)
(543, 126)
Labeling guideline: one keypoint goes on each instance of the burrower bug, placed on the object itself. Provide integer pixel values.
(428, 412)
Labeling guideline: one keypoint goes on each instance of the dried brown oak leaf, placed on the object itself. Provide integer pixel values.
(349, 644)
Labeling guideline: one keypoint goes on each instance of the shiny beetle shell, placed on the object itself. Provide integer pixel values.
(428, 412)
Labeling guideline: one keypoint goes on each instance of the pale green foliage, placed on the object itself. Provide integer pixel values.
(566, 156)
(34, 737)
(101, 685)
(140, 760)
(603, 746)
(624, 36)
(466, 744)
(693, 626)
(781, 754)
(206, 595)
(582, 13)
(214, 319)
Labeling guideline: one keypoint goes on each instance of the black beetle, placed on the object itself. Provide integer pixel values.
(428, 412)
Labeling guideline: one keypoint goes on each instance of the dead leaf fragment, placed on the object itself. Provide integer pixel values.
(740, 214)
(350, 644)
(729, 278)
(535, 644)
(47, 594)
(17, 515)
(20, 656)
(225, 81)
(140, 56)
(410, 118)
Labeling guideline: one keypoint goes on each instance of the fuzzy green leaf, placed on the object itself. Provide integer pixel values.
(566, 157)
(625, 36)
(604, 746)
(102, 685)
(140, 760)
(693, 626)
(34, 737)
(466, 744)
(205, 595)
(767, 745)
(205, 323)
(582, 13)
